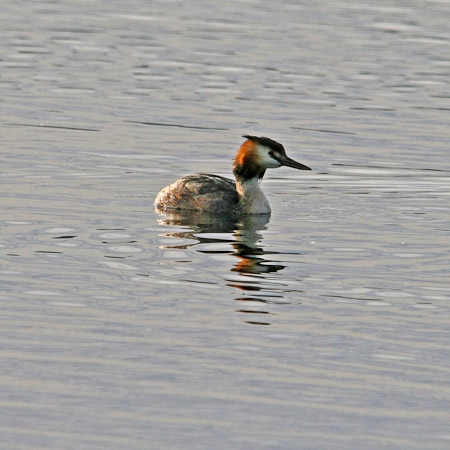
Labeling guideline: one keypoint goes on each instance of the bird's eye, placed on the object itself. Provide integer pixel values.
(271, 153)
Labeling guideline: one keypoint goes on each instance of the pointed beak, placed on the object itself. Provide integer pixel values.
(286, 161)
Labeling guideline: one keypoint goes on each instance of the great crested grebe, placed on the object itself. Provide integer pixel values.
(206, 192)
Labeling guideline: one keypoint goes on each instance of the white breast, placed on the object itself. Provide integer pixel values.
(252, 197)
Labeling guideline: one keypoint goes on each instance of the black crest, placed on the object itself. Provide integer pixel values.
(267, 142)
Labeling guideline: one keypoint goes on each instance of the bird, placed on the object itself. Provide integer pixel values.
(216, 194)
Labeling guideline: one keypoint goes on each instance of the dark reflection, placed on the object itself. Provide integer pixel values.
(248, 274)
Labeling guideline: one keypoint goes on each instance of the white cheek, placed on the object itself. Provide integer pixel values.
(266, 160)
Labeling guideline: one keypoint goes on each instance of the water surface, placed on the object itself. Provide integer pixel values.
(322, 326)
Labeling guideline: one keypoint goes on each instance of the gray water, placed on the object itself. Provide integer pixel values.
(325, 327)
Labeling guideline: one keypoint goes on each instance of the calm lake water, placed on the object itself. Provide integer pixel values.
(325, 327)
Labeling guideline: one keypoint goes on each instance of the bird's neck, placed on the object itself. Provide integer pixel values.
(251, 197)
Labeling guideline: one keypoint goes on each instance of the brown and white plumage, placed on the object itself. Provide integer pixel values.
(206, 192)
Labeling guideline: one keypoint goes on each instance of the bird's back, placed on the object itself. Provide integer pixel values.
(200, 191)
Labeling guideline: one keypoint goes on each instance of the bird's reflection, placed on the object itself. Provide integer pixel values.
(249, 273)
